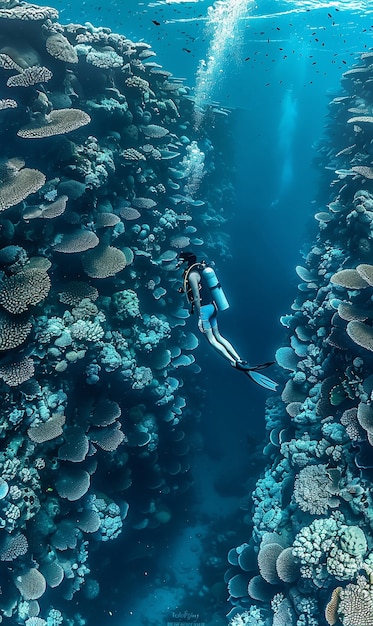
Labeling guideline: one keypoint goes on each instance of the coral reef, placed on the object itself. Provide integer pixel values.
(97, 195)
(311, 550)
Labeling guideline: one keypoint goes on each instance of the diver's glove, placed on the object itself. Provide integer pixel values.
(200, 326)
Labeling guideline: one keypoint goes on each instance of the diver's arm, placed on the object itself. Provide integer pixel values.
(194, 280)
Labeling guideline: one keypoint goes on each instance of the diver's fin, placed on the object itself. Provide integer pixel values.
(261, 380)
(261, 366)
(245, 367)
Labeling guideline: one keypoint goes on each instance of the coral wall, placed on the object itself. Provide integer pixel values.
(102, 181)
(309, 561)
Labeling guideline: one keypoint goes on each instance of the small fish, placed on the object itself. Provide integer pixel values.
(156, 23)
(186, 50)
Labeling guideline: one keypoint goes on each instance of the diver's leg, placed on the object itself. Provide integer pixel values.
(210, 336)
(225, 343)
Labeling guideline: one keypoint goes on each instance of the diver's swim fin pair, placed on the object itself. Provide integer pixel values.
(262, 366)
(259, 379)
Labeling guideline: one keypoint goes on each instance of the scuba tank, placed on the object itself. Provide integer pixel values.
(215, 287)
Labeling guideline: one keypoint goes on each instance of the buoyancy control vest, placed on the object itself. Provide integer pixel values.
(209, 280)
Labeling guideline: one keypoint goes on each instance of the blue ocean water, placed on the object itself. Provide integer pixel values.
(278, 75)
(278, 69)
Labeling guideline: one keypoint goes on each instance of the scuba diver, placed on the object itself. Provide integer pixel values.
(205, 295)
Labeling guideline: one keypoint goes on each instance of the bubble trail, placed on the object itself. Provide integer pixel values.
(223, 21)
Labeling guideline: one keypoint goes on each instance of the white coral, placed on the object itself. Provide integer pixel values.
(86, 330)
(252, 617)
(312, 489)
(330, 541)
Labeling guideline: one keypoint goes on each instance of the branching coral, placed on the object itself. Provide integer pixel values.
(330, 547)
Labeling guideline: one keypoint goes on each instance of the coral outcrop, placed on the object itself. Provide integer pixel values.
(97, 195)
(312, 513)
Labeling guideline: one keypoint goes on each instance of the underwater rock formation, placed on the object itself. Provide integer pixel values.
(97, 195)
(309, 561)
